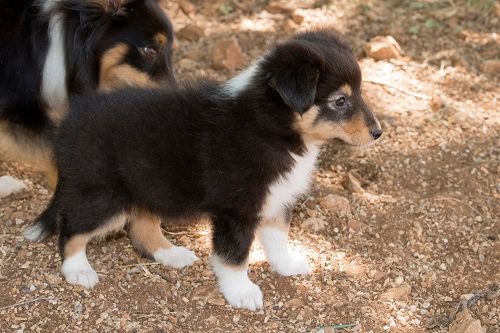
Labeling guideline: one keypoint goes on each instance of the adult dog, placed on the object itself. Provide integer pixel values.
(51, 49)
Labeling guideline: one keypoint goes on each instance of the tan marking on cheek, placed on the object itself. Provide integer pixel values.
(79, 242)
(346, 89)
(115, 74)
(355, 131)
(312, 130)
(145, 232)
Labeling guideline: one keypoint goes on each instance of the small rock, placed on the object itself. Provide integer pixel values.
(315, 223)
(228, 55)
(191, 33)
(352, 184)
(295, 302)
(380, 48)
(187, 7)
(399, 280)
(10, 185)
(355, 225)
(464, 323)
(53, 280)
(336, 203)
(437, 103)
(491, 66)
(399, 293)
(290, 26)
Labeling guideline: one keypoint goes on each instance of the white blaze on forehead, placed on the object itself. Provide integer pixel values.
(54, 71)
(285, 190)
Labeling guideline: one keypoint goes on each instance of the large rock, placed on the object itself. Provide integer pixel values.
(336, 203)
(464, 323)
(381, 48)
(9, 185)
(227, 55)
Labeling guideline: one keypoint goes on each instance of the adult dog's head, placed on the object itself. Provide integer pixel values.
(104, 44)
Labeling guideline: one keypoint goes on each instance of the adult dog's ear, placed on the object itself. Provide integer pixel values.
(294, 73)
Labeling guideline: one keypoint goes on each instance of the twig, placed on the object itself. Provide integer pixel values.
(404, 91)
(459, 201)
(140, 264)
(491, 292)
(25, 302)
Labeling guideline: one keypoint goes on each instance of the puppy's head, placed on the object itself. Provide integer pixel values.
(111, 43)
(317, 77)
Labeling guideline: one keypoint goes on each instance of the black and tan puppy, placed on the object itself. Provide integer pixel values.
(51, 49)
(240, 151)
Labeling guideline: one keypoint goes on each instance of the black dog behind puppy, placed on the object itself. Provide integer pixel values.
(241, 152)
(51, 49)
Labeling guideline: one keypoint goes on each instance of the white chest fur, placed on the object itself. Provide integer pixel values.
(286, 189)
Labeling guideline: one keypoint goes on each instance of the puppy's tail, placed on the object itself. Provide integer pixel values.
(47, 223)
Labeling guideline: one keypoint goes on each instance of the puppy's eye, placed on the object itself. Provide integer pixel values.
(340, 101)
(149, 52)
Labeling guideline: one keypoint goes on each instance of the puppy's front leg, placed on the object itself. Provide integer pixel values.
(232, 238)
(273, 235)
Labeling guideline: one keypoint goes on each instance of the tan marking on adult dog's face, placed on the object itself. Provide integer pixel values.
(114, 73)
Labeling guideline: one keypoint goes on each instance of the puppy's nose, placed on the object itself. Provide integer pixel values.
(376, 133)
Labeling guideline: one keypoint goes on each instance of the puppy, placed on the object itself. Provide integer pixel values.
(240, 151)
(51, 49)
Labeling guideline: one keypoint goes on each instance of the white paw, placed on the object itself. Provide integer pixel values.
(293, 264)
(177, 257)
(245, 295)
(77, 270)
(87, 279)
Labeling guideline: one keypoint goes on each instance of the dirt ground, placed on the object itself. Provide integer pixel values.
(420, 237)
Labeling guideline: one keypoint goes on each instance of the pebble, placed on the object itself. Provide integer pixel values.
(352, 184)
(465, 323)
(10, 185)
(399, 293)
(315, 223)
(336, 203)
(187, 7)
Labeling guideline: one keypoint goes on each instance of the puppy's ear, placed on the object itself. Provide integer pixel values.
(294, 73)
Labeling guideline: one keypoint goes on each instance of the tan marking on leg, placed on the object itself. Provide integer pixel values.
(79, 242)
(145, 232)
(115, 74)
(277, 222)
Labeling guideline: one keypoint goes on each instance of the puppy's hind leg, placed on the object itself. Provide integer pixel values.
(146, 235)
(73, 241)
(273, 235)
(232, 239)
